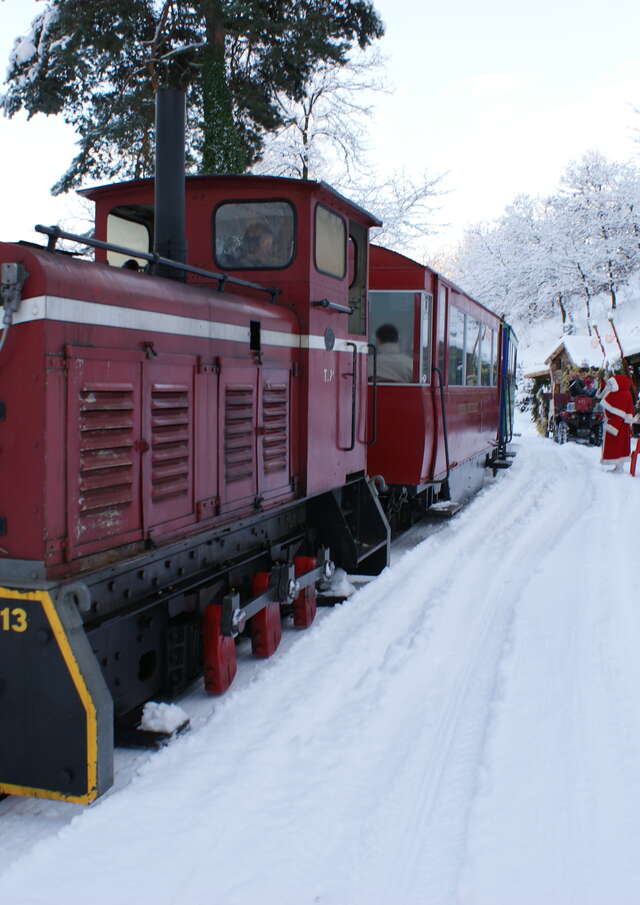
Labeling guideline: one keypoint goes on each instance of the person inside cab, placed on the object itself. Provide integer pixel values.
(394, 365)
(257, 246)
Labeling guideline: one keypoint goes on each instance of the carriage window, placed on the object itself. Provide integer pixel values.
(441, 339)
(331, 241)
(486, 352)
(496, 352)
(425, 355)
(456, 346)
(392, 320)
(254, 235)
(472, 348)
(130, 233)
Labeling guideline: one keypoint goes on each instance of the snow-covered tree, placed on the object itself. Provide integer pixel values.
(504, 264)
(325, 130)
(406, 205)
(603, 202)
(559, 253)
(98, 63)
(325, 136)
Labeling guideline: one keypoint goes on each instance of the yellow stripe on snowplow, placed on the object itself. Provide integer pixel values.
(44, 598)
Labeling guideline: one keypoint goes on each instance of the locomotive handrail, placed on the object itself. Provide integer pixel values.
(374, 396)
(333, 306)
(54, 233)
(353, 374)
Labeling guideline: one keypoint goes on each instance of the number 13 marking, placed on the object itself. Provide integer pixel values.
(13, 620)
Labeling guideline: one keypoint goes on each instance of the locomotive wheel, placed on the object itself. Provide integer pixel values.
(304, 606)
(219, 652)
(265, 627)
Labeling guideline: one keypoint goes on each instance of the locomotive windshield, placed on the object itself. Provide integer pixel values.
(254, 235)
(330, 245)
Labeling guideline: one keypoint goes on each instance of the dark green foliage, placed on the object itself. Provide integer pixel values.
(98, 65)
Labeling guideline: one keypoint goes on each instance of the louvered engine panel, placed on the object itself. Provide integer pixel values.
(273, 450)
(238, 435)
(168, 461)
(103, 471)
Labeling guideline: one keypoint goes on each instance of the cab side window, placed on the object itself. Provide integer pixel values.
(330, 243)
(357, 276)
(132, 231)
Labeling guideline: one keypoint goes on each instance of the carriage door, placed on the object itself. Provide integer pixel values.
(425, 333)
(439, 460)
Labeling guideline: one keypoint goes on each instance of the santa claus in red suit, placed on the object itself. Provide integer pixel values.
(617, 401)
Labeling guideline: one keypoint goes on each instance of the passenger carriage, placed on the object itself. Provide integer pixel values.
(438, 429)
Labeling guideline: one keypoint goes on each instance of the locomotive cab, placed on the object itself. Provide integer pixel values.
(300, 237)
(309, 245)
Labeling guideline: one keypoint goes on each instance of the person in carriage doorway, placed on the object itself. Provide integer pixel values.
(617, 401)
(393, 365)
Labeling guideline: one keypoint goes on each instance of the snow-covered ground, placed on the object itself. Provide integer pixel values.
(465, 731)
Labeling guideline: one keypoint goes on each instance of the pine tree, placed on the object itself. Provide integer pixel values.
(98, 65)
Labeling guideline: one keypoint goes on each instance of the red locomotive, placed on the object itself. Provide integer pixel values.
(184, 451)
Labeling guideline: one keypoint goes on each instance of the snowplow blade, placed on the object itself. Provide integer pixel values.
(56, 713)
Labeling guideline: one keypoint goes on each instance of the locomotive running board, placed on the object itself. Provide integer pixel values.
(56, 713)
(445, 509)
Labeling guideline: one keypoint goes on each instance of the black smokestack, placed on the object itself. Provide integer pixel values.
(169, 226)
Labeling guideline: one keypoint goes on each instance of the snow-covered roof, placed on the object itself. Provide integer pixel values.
(583, 351)
(586, 351)
(537, 370)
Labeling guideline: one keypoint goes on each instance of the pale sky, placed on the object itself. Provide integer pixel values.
(500, 99)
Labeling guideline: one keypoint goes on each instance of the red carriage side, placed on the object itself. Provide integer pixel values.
(439, 422)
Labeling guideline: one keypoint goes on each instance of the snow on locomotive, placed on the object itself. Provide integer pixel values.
(183, 448)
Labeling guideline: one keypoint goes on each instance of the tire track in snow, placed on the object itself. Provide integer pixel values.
(559, 787)
(429, 857)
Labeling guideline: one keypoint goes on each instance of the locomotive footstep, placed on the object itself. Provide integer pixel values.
(444, 510)
(152, 726)
(337, 590)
